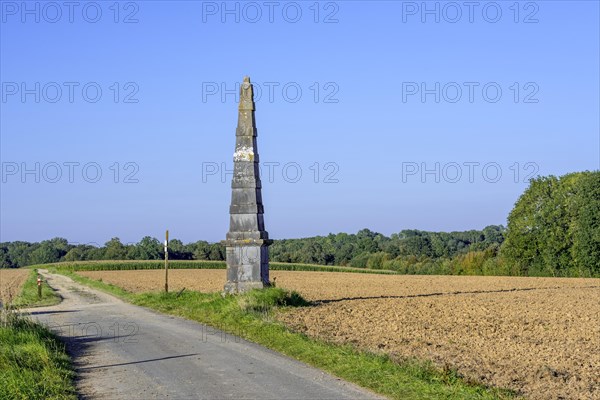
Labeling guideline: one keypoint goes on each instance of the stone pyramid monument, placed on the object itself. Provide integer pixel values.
(247, 242)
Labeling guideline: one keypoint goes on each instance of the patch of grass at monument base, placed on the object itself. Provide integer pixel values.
(250, 316)
(264, 301)
(29, 294)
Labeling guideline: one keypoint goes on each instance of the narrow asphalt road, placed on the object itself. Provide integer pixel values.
(121, 351)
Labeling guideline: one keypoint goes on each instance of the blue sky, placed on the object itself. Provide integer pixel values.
(360, 97)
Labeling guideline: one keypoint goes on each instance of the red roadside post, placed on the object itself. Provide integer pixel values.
(39, 283)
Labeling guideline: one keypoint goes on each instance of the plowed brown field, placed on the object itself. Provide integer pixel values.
(11, 281)
(538, 336)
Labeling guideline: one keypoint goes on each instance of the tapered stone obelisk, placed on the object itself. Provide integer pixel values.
(247, 241)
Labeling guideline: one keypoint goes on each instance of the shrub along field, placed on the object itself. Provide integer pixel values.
(536, 336)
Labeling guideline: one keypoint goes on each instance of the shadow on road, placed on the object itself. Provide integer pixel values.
(139, 362)
(52, 312)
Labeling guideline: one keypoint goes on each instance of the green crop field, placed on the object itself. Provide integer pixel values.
(124, 265)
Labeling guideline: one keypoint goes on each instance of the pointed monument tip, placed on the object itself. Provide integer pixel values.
(246, 95)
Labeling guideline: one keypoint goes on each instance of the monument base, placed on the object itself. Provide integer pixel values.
(242, 287)
(247, 265)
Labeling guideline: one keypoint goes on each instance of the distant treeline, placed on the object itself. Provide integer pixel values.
(554, 230)
(19, 254)
(410, 251)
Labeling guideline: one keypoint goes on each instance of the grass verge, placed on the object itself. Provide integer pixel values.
(29, 294)
(251, 316)
(33, 362)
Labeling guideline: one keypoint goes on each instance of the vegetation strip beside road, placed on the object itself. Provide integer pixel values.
(126, 265)
(33, 362)
(250, 316)
(29, 294)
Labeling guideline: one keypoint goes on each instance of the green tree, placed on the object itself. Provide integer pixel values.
(75, 254)
(44, 254)
(115, 250)
(360, 261)
(553, 228)
(178, 251)
(149, 248)
(201, 250)
(376, 260)
(60, 244)
(586, 227)
(217, 252)
(526, 225)
(19, 253)
(5, 261)
(312, 253)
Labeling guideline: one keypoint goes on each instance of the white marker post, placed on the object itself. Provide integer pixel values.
(167, 262)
